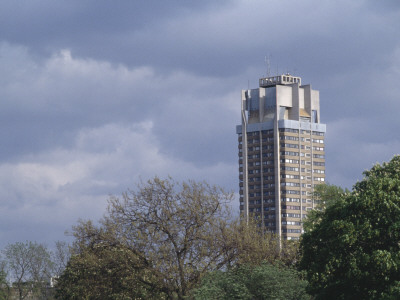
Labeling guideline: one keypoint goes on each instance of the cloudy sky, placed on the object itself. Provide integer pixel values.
(97, 94)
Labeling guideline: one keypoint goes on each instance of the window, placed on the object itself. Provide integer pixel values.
(318, 141)
(288, 130)
(291, 223)
(291, 230)
(295, 169)
(318, 133)
(291, 215)
(290, 176)
(295, 184)
(319, 179)
(293, 207)
(288, 137)
(290, 153)
(291, 192)
(289, 161)
(269, 185)
(318, 148)
(290, 145)
(290, 199)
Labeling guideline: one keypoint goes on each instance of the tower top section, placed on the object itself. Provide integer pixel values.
(280, 79)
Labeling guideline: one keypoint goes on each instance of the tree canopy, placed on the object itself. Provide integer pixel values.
(263, 281)
(159, 240)
(353, 250)
(171, 233)
(29, 267)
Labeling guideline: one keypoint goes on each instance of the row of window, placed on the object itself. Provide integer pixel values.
(290, 199)
(287, 176)
(286, 168)
(291, 223)
(257, 186)
(271, 131)
(292, 153)
(290, 176)
(266, 194)
(289, 215)
(257, 148)
(288, 130)
(256, 179)
(292, 207)
(296, 146)
(295, 184)
(256, 133)
(292, 192)
(288, 137)
(290, 161)
(285, 230)
(283, 145)
(318, 148)
(257, 141)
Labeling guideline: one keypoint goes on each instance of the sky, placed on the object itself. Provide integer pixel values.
(97, 95)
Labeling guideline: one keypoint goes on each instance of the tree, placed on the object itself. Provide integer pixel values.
(60, 257)
(246, 243)
(5, 289)
(325, 195)
(101, 268)
(353, 250)
(171, 233)
(29, 266)
(265, 281)
(160, 240)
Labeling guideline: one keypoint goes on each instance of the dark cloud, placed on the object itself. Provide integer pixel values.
(96, 95)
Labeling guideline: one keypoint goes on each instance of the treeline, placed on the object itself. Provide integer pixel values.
(163, 240)
(28, 270)
(170, 240)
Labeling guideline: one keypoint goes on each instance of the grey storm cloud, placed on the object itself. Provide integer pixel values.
(96, 95)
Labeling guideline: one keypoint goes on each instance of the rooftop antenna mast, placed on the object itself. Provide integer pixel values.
(268, 64)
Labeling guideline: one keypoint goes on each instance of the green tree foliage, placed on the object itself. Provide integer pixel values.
(325, 195)
(102, 268)
(5, 289)
(353, 250)
(249, 244)
(265, 281)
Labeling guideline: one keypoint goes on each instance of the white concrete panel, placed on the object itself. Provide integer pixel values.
(301, 98)
(284, 95)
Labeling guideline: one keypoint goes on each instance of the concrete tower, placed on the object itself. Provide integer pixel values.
(281, 153)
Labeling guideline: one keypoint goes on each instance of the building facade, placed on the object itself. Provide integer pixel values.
(281, 153)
